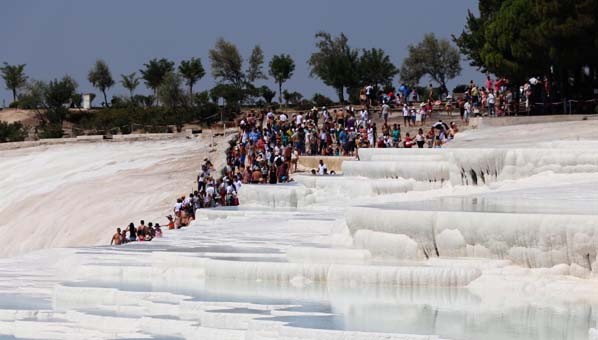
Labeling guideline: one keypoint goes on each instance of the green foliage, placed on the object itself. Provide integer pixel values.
(434, 57)
(461, 88)
(14, 77)
(552, 37)
(192, 70)
(100, 77)
(50, 131)
(230, 93)
(321, 100)
(154, 73)
(170, 92)
(267, 94)
(34, 95)
(59, 92)
(226, 63)
(12, 132)
(129, 82)
(255, 72)
(76, 100)
(376, 68)
(281, 69)
(335, 63)
(292, 98)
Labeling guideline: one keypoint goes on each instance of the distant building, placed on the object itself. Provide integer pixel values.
(87, 98)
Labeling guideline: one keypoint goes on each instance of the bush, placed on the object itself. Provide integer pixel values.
(12, 132)
(321, 100)
(51, 131)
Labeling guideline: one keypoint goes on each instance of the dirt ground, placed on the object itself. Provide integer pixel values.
(27, 117)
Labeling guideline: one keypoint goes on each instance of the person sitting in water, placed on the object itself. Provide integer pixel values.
(158, 230)
(123, 236)
(116, 238)
(322, 168)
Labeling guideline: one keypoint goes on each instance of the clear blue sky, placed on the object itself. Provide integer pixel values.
(65, 37)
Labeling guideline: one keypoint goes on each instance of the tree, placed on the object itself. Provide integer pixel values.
(14, 77)
(292, 98)
(227, 63)
(553, 38)
(33, 96)
(281, 69)
(192, 70)
(376, 68)
(129, 82)
(434, 57)
(154, 73)
(57, 94)
(99, 76)
(335, 63)
(255, 65)
(170, 92)
(267, 94)
(229, 93)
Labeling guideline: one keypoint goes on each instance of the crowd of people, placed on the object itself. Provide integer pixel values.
(210, 193)
(142, 232)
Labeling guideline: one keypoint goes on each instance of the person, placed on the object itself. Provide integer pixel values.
(123, 236)
(132, 232)
(158, 230)
(385, 112)
(406, 117)
(408, 143)
(396, 135)
(420, 138)
(116, 238)
(322, 169)
(170, 222)
(466, 111)
(294, 160)
(490, 101)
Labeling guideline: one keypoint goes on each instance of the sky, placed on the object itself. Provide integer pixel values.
(61, 37)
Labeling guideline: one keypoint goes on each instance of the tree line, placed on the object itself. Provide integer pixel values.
(335, 62)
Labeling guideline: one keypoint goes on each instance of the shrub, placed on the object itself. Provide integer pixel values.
(460, 88)
(12, 132)
(51, 131)
(321, 100)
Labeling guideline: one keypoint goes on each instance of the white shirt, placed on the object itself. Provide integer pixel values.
(210, 191)
(490, 98)
(385, 109)
(322, 169)
(282, 117)
(364, 115)
(405, 111)
(299, 119)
